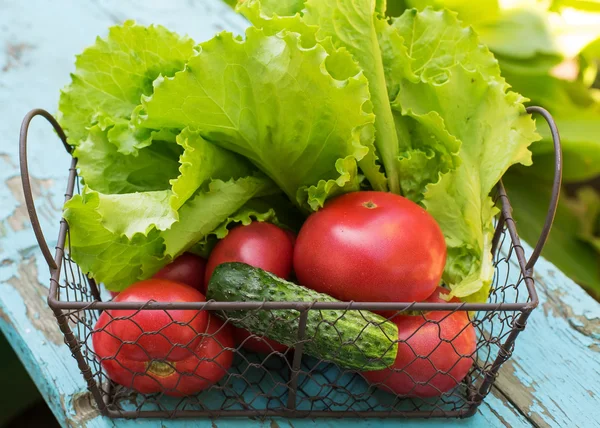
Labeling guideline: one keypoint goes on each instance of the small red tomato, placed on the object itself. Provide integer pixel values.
(262, 245)
(435, 352)
(371, 246)
(187, 269)
(158, 334)
(258, 244)
(206, 365)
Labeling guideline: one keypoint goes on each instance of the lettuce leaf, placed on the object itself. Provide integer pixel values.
(110, 78)
(339, 65)
(106, 170)
(121, 239)
(459, 84)
(352, 24)
(273, 100)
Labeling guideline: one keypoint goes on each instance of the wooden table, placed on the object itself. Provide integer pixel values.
(553, 378)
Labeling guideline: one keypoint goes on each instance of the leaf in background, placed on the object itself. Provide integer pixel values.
(565, 248)
(273, 101)
(112, 75)
(522, 33)
(577, 116)
(586, 208)
(468, 10)
(108, 171)
(459, 80)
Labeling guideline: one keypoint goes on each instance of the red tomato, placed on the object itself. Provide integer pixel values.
(258, 244)
(209, 362)
(371, 246)
(262, 245)
(158, 334)
(435, 353)
(188, 269)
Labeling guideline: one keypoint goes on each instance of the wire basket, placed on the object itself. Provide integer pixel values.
(287, 382)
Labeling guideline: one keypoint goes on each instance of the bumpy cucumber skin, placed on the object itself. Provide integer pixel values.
(358, 340)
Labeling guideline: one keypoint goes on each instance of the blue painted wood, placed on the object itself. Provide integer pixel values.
(553, 379)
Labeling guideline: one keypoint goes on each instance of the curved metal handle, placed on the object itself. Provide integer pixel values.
(35, 223)
(558, 163)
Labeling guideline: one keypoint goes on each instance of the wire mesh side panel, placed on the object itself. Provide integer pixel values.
(424, 382)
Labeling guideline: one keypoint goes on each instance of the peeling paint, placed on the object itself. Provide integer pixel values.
(34, 295)
(19, 219)
(85, 409)
(555, 302)
(14, 53)
(8, 160)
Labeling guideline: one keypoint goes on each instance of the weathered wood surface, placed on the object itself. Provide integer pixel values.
(552, 380)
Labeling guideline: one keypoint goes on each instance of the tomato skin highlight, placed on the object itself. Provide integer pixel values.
(172, 333)
(209, 362)
(188, 269)
(262, 245)
(371, 246)
(426, 365)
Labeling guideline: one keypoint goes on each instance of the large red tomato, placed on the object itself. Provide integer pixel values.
(435, 353)
(262, 245)
(371, 246)
(158, 334)
(206, 365)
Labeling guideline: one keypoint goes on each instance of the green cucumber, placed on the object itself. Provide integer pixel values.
(353, 339)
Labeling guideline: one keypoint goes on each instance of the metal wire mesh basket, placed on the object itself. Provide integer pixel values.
(287, 382)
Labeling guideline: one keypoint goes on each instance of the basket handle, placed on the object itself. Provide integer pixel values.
(558, 164)
(35, 223)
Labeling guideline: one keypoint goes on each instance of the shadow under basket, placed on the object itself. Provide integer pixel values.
(290, 383)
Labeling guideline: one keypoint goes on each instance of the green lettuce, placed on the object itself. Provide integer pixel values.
(112, 75)
(273, 100)
(457, 82)
(121, 239)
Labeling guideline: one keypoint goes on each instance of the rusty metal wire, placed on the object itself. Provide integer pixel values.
(288, 382)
